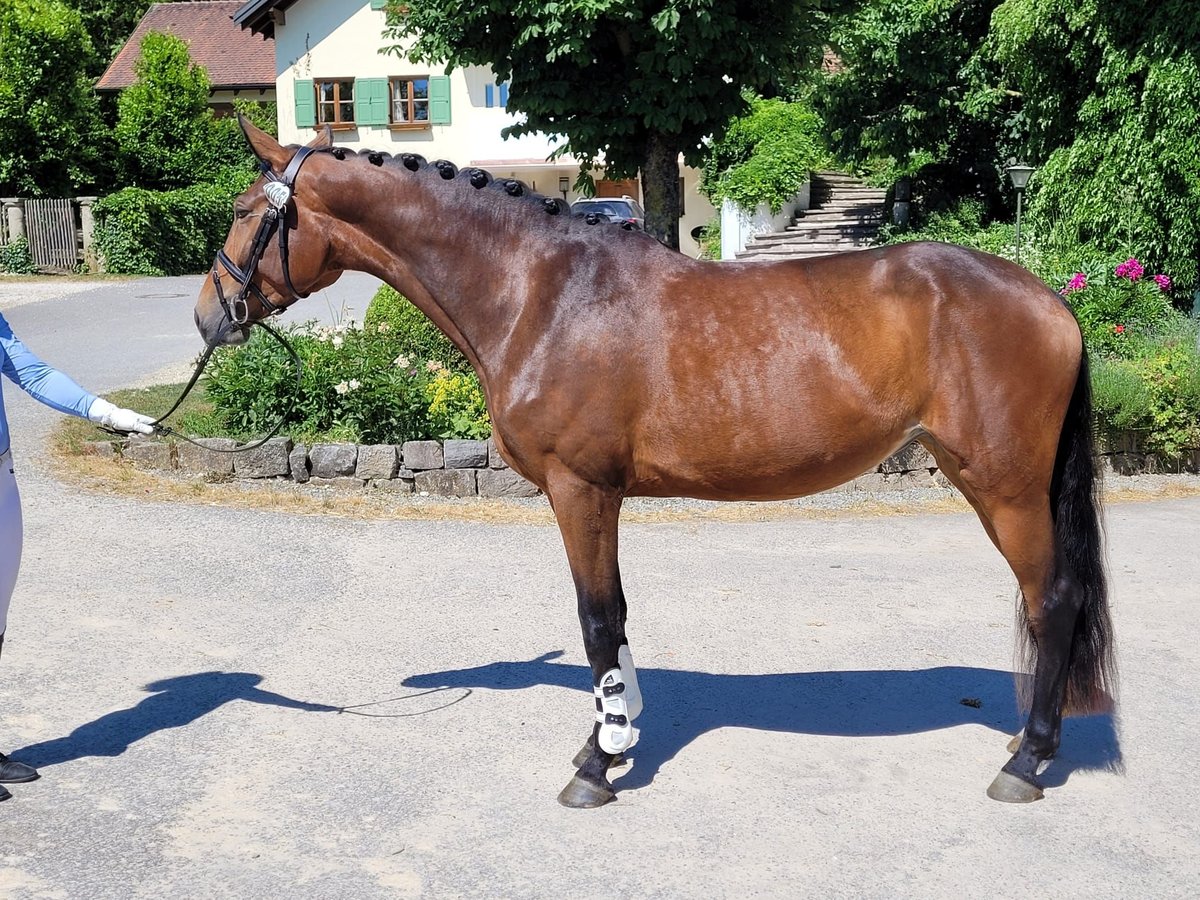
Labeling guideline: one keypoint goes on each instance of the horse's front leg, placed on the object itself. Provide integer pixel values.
(587, 517)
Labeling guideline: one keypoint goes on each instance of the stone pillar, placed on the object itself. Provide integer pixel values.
(14, 218)
(87, 224)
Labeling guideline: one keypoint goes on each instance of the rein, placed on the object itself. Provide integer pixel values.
(279, 191)
(167, 430)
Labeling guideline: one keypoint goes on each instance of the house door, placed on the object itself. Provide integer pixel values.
(53, 238)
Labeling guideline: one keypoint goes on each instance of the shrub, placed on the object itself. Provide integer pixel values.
(15, 258)
(141, 232)
(1114, 309)
(1156, 391)
(456, 406)
(764, 156)
(357, 385)
(414, 335)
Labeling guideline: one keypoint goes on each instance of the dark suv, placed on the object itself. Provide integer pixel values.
(614, 209)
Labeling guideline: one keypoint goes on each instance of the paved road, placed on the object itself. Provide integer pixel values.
(173, 670)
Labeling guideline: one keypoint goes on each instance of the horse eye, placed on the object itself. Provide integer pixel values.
(241, 213)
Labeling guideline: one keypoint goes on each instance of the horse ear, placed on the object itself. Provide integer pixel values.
(323, 139)
(265, 147)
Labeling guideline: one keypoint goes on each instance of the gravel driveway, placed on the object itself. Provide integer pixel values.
(240, 703)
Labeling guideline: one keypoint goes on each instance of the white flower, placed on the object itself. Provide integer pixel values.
(341, 387)
(433, 366)
(384, 328)
(338, 341)
(401, 362)
(355, 384)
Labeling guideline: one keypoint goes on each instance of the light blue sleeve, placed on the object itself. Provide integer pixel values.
(39, 380)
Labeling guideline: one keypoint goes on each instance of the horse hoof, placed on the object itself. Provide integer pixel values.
(585, 753)
(1010, 789)
(580, 794)
(1015, 744)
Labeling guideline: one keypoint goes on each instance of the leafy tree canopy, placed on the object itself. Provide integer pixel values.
(911, 91)
(165, 129)
(1110, 91)
(633, 83)
(109, 23)
(1103, 96)
(48, 116)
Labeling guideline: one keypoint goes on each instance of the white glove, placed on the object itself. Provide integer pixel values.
(104, 413)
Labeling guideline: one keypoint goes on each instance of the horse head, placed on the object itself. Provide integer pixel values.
(278, 248)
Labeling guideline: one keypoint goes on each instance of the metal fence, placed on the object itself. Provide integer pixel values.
(53, 234)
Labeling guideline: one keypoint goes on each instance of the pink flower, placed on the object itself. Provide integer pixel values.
(1077, 283)
(1118, 329)
(1163, 282)
(1131, 269)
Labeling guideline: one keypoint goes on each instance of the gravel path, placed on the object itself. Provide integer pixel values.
(176, 670)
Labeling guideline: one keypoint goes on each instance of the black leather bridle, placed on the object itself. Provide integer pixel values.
(237, 310)
(275, 219)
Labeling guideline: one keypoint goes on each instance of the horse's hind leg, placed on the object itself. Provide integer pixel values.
(1023, 530)
(587, 517)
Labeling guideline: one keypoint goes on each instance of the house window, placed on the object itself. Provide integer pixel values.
(410, 100)
(496, 95)
(335, 102)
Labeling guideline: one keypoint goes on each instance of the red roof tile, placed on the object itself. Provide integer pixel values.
(234, 57)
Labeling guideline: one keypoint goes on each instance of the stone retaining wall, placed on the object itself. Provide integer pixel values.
(458, 468)
(446, 469)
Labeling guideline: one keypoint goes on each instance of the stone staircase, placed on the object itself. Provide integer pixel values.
(845, 215)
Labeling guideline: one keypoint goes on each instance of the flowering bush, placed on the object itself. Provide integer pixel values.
(1110, 306)
(1146, 356)
(359, 384)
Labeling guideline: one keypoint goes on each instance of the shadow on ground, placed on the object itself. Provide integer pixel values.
(683, 705)
(173, 703)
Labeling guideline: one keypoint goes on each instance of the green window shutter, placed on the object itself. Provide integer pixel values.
(306, 103)
(379, 4)
(439, 100)
(371, 101)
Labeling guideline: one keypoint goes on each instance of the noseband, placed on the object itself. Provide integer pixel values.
(279, 193)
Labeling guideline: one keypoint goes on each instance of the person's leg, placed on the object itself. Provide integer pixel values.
(10, 562)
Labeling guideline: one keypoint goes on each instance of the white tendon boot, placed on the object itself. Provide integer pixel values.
(633, 694)
(612, 712)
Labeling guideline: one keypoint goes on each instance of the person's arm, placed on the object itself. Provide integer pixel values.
(46, 384)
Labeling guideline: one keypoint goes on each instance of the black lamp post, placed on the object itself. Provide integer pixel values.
(1019, 173)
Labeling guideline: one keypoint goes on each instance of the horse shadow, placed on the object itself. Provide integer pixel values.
(173, 703)
(682, 705)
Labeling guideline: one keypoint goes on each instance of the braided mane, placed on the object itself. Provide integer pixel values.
(512, 189)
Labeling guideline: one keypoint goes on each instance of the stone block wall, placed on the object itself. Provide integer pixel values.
(454, 468)
(458, 468)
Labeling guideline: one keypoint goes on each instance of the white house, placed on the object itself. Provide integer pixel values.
(329, 70)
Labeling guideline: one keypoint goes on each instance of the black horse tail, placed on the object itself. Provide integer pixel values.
(1076, 506)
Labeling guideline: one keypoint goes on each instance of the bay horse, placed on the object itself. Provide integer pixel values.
(613, 367)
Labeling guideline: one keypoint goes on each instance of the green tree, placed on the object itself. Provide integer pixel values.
(1110, 91)
(633, 83)
(915, 89)
(165, 128)
(109, 23)
(49, 126)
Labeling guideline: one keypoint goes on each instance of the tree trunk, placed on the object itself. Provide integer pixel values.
(660, 187)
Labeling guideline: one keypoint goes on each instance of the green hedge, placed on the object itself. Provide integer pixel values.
(141, 232)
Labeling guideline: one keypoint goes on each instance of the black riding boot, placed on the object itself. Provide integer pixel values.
(11, 771)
